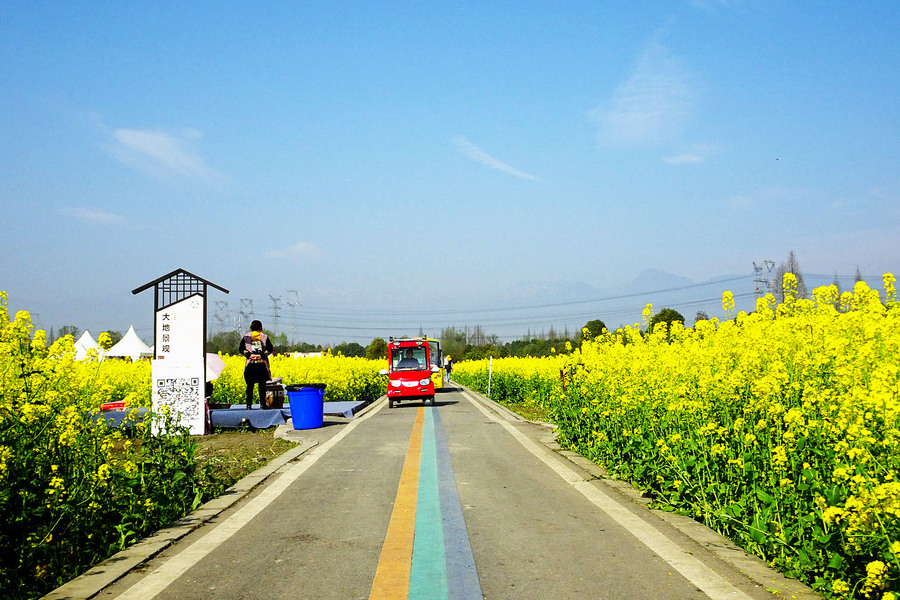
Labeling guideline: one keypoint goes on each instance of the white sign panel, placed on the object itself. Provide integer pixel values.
(179, 330)
(178, 370)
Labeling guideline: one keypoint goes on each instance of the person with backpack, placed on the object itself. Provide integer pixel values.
(256, 348)
(448, 366)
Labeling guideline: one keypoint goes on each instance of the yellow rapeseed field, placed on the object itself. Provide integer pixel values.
(778, 428)
(72, 490)
(345, 378)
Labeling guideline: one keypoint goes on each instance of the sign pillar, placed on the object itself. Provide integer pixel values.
(178, 369)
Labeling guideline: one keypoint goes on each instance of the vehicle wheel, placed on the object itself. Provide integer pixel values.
(390, 403)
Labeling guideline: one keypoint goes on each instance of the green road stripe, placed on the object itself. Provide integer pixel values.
(428, 578)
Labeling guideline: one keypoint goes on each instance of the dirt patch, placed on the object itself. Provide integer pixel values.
(234, 454)
(529, 411)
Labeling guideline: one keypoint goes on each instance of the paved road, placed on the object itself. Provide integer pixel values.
(456, 501)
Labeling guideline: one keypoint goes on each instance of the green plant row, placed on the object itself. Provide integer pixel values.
(73, 491)
(778, 428)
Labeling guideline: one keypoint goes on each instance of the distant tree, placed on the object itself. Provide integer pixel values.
(484, 351)
(594, 328)
(492, 350)
(858, 276)
(225, 342)
(453, 342)
(280, 343)
(666, 316)
(351, 349)
(788, 266)
(307, 347)
(69, 330)
(533, 347)
(377, 349)
(473, 353)
(701, 316)
(476, 337)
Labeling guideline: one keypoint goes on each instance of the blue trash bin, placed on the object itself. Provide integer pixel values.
(307, 402)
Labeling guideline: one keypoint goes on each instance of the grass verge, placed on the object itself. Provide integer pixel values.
(235, 454)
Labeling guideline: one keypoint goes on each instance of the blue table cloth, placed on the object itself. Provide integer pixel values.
(237, 415)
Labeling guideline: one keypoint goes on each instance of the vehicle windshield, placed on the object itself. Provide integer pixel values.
(408, 359)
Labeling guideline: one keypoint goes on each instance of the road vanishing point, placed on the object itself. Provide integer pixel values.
(462, 500)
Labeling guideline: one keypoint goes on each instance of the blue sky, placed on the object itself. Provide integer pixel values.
(380, 156)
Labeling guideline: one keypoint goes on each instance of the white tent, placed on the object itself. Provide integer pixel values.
(85, 343)
(130, 346)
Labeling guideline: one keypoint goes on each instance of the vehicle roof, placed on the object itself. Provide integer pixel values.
(408, 341)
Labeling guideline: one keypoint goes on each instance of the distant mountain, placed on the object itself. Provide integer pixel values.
(654, 279)
(570, 304)
(550, 292)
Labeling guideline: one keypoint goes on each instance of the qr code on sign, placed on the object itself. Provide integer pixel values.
(181, 394)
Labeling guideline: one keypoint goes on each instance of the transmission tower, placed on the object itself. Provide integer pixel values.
(245, 314)
(275, 308)
(293, 301)
(293, 298)
(221, 313)
(762, 280)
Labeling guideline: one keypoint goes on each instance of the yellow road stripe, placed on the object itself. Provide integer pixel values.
(392, 575)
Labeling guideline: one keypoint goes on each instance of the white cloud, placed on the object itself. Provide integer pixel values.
(691, 155)
(298, 250)
(742, 203)
(707, 5)
(653, 105)
(683, 159)
(162, 154)
(480, 156)
(93, 215)
(773, 198)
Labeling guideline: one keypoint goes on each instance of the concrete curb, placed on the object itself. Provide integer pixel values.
(754, 568)
(101, 575)
(286, 431)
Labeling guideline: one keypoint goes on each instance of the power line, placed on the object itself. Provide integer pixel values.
(332, 326)
(362, 324)
(329, 311)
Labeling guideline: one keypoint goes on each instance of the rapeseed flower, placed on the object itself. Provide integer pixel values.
(782, 406)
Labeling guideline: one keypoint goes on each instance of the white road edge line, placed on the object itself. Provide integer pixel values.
(692, 569)
(156, 581)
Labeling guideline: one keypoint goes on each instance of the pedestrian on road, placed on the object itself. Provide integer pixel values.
(256, 348)
(448, 366)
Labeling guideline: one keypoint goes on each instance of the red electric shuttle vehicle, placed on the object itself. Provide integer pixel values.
(409, 371)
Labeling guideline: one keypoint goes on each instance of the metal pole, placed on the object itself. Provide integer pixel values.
(490, 374)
